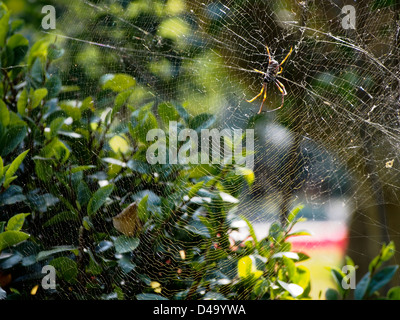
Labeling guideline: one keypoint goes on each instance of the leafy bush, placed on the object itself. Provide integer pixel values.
(78, 194)
(374, 280)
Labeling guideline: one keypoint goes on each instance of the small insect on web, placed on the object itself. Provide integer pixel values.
(274, 68)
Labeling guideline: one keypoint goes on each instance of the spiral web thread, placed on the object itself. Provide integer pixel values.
(341, 113)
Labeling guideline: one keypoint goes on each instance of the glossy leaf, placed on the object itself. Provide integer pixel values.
(22, 102)
(394, 293)
(14, 167)
(125, 244)
(362, 287)
(48, 253)
(381, 278)
(119, 82)
(4, 114)
(66, 268)
(4, 28)
(10, 238)
(38, 96)
(16, 222)
(99, 198)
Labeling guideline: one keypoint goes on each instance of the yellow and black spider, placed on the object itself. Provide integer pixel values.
(273, 69)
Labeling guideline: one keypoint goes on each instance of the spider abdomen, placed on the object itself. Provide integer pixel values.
(272, 71)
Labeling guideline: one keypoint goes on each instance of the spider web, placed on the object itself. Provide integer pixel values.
(334, 146)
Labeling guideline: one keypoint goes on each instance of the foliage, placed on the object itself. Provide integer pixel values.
(86, 163)
(370, 285)
(78, 193)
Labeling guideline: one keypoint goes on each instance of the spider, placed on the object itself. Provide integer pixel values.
(274, 68)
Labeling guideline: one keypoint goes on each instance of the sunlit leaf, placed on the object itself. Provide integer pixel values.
(11, 237)
(119, 82)
(99, 198)
(38, 96)
(17, 221)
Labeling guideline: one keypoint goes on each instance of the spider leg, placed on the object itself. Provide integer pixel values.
(291, 49)
(265, 98)
(282, 86)
(261, 92)
(258, 71)
(269, 55)
(282, 89)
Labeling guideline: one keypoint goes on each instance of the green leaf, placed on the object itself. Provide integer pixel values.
(38, 96)
(38, 71)
(14, 166)
(149, 296)
(202, 121)
(298, 233)
(251, 230)
(82, 168)
(388, 251)
(53, 86)
(349, 261)
(302, 278)
(147, 122)
(83, 194)
(119, 101)
(290, 267)
(385, 254)
(55, 125)
(4, 114)
(48, 253)
(11, 237)
(199, 227)
(125, 244)
(66, 268)
(293, 214)
(331, 294)
(22, 102)
(247, 174)
(362, 287)
(119, 82)
(380, 279)
(56, 149)
(99, 198)
(61, 217)
(394, 293)
(17, 221)
(338, 276)
(194, 189)
(142, 208)
(54, 52)
(245, 266)
(4, 29)
(12, 138)
(167, 112)
(72, 109)
(19, 46)
(1, 168)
